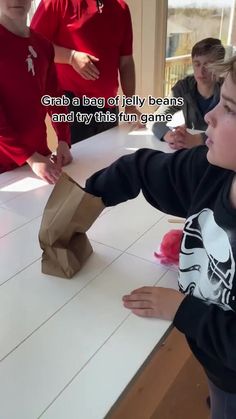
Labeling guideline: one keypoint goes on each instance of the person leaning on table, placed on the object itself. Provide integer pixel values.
(200, 185)
(200, 91)
(27, 73)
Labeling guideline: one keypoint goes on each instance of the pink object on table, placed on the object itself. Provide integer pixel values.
(170, 247)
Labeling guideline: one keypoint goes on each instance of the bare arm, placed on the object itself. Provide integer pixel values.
(62, 55)
(127, 75)
(127, 80)
(81, 62)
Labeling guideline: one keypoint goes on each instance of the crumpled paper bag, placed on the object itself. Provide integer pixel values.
(68, 214)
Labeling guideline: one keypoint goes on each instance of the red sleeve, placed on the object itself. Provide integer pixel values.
(46, 19)
(52, 89)
(10, 144)
(127, 45)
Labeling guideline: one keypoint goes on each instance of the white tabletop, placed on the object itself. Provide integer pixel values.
(68, 348)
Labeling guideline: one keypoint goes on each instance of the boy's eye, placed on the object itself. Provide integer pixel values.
(228, 109)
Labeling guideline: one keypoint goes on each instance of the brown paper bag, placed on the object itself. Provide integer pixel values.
(68, 214)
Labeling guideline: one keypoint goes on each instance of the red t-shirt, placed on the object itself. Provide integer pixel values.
(27, 72)
(77, 24)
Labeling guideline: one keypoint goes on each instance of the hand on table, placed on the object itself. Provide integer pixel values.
(44, 168)
(159, 302)
(134, 110)
(181, 138)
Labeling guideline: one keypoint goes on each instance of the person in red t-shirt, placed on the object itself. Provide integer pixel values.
(27, 72)
(93, 44)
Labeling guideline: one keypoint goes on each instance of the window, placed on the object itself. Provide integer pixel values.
(189, 22)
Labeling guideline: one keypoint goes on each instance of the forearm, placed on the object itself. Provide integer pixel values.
(53, 89)
(154, 173)
(127, 76)
(116, 183)
(63, 55)
(160, 128)
(62, 129)
(34, 158)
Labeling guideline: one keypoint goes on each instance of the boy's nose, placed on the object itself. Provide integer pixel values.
(203, 70)
(211, 117)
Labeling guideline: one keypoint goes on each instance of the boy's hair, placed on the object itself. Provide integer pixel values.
(207, 46)
(225, 68)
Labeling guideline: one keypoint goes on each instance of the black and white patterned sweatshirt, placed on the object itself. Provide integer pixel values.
(186, 185)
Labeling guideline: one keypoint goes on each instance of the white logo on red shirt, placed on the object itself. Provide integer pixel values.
(32, 54)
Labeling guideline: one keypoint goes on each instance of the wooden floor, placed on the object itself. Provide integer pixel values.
(172, 385)
(186, 398)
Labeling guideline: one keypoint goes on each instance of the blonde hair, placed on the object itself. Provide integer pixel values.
(226, 67)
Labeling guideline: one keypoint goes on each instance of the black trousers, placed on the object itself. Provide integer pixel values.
(80, 130)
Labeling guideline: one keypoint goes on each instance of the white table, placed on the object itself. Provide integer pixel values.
(69, 347)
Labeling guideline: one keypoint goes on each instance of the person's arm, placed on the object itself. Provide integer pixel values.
(167, 181)
(44, 167)
(127, 81)
(126, 63)
(82, 63)
(181, 138)
(62, 129)
(212, 329)
(53, 89)
(209, 326)
(127, 75)
(63, 55)
(160, 129)
(12, 146)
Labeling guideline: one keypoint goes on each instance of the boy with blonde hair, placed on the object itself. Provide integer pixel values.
(200, 185)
